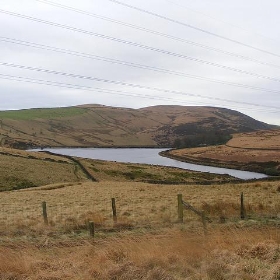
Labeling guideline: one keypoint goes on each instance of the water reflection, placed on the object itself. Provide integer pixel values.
(148, 156)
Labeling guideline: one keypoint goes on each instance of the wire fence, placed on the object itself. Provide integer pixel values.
(154, 211)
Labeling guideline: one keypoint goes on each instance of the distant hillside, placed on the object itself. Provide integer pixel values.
(257, 151)
(97, 125)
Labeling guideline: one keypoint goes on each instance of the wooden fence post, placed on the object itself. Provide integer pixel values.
(223, 217)
(203, 217)
(114, 210)
(91, 228)
(45, 215)
(242, 207)
(180, 208)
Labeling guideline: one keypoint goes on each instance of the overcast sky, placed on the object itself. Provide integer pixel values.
(210, 53)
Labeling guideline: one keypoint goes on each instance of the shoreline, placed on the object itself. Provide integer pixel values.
(250, 166)
(94, 147)
(161, 152)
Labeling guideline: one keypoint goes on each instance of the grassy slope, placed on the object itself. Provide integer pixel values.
(41, 113)
(21, 169)
(256, 151)
(96, 125)
(267, 140)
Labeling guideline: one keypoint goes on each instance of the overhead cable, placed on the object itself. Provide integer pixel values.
(130, 43)
(193, 27)
(219, 20)
(132, 64)
(122, 83)
(178, 39)
(118, 92)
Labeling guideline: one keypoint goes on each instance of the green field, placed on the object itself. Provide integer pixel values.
(42, 113)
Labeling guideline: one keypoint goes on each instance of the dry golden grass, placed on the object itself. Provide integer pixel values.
(225, 154)
(257, 151)
(260, 147)
(139, 205)
(268, 139)
(222, 254)
(146, 242)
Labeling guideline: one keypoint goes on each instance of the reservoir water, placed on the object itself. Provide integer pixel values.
(148, 156)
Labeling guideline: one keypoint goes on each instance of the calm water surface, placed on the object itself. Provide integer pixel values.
(148, 156)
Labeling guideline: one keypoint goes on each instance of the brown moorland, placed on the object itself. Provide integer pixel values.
(263, 139)
(97, 125)
(146, 242)
(172, 255)
(139, 204)
(256, 151)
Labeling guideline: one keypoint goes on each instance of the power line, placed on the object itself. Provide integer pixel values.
(48, 71)
(219, 20)
(130, 43)
(178, 39)
(131, 64)
(193, 27)
(75, 86)
(114, 92)
(94, 89)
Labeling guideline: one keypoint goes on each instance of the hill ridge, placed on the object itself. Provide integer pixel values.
(96, 125)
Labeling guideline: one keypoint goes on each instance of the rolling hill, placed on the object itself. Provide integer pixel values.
(102, 126)
(254, 151)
